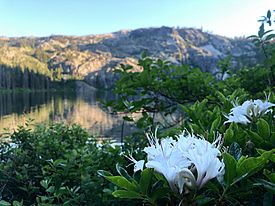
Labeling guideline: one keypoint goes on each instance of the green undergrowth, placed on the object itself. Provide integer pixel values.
(56, 165)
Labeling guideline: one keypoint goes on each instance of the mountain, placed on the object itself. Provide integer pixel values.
(93, 57)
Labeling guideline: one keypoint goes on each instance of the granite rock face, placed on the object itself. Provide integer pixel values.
(94, 57)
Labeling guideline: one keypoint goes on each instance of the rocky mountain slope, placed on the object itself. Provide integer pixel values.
(93, 57)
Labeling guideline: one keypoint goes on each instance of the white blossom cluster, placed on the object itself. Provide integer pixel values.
(250, 109)
(187, 163)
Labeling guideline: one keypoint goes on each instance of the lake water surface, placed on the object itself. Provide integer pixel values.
(45, 107)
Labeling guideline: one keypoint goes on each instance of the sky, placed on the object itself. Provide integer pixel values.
(231, 18)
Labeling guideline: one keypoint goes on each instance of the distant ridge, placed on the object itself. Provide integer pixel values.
(94, 56)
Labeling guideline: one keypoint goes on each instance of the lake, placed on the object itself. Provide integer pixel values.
(82, 108)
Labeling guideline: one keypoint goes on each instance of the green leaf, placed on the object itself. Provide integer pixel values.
(145, 180)
(212, 186)
(221, 97)
(122, 182)
(267, 185)
(127, 194)
(260, 151)
(123, 172)
(252, 37)
(44, 183)
(263, 128)
(160, 193)
(239, 179)
(51, 189)
(250, 165)
(256, 41)
(184, 108)
(270, 175)
(230, 168)
(160, 183)
(272, 157)
(16, 203)
(215, 126)
(4, 203)
(104, 173)
(195, 128)
(240, 161)
(255, 138)
(268, 31)
(269, 155)
(261, 31)
(269, 37)
(228, 136)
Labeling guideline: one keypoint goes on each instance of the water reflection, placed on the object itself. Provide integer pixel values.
(83, 109)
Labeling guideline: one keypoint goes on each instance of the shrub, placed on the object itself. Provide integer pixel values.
(56, 165)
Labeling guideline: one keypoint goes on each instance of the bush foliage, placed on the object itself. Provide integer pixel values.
(56, 165)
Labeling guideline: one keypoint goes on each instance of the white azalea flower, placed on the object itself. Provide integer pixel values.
(203, 155)
(138, 165)
(244, 113)
(242, 119)
(173, 160)
(261, 108)
(240, 114)
(166, 159)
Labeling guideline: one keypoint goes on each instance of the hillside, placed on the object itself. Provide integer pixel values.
(93, 57)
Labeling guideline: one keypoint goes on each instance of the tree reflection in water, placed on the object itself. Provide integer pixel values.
(43, 107)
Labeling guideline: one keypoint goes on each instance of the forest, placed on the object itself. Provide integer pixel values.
(16, 77)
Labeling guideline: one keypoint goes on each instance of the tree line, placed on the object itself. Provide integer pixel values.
(16, 77)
